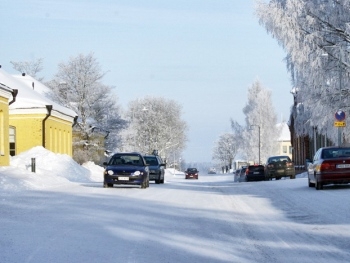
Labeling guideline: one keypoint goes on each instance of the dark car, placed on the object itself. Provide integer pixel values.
(126, 169)
(255, 173)
(156, 168)
(331, 165)
(279, 166)
(191, 173)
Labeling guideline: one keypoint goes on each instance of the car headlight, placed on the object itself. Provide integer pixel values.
(137, 173)
(110, 172)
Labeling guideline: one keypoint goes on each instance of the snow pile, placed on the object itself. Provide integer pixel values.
(51, 170)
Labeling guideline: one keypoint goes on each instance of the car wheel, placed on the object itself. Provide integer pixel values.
(311, 184)
(162, 181)
(292, 176)
(318, 185)
(157, 181)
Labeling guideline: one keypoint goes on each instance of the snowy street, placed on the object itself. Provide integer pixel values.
(213, 219)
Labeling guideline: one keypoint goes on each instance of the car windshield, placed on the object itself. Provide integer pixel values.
(151, 160)
(191, 170)
(126, 159)
(335, 153)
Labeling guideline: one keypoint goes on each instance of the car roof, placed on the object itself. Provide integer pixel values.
(127, 153)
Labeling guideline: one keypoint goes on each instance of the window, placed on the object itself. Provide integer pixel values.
(12, 140)
(284, 149)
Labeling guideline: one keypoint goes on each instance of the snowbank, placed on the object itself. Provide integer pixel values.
(51, 170)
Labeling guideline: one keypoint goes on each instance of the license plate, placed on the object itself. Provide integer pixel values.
(256, 173)
(121, 178)
(346, 165)
(280, 171)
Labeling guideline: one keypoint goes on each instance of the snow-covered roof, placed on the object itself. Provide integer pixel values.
(285, 133)
(29, 100)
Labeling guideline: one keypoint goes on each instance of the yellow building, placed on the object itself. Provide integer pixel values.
(5, 95)
(284, 141)
(35, 120)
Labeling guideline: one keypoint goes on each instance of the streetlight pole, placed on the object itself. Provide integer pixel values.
(259, 138)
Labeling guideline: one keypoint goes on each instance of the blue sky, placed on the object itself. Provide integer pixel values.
(204, 54)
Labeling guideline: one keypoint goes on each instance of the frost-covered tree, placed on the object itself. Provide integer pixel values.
(31, 68)
(155, 124)
(225, 149)
(316, 36)
(259, 116)
(78, 86)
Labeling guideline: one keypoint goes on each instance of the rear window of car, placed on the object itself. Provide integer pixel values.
(256, 168)
(151, 160)
(335, 153)
(193, 170)
(279, 159)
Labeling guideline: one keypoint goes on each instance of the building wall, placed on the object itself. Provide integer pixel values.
(59, 136)
(58, 133)
(28, 131)
(285, 148)
(4, 132)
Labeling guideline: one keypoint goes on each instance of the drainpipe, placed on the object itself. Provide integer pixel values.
(14, 95)
(49, 109)
(75, 121)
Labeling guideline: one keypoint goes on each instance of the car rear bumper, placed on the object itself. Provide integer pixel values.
(333, 178)
(278, 173)
(256, 177)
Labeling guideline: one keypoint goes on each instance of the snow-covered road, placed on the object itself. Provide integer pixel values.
(213, 219)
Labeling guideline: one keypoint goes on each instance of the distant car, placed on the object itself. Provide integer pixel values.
(156, 168)
(279, 166)
(191, 173)
(126, 169)
(212, 171)
(331, 165)
(255, 173)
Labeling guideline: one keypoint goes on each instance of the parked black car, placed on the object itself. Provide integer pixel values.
(255, 173)
(156, 168)
(279, 166)
(126, 169)
(191, 173)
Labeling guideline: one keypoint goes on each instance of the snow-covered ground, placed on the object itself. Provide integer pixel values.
(62, 213)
